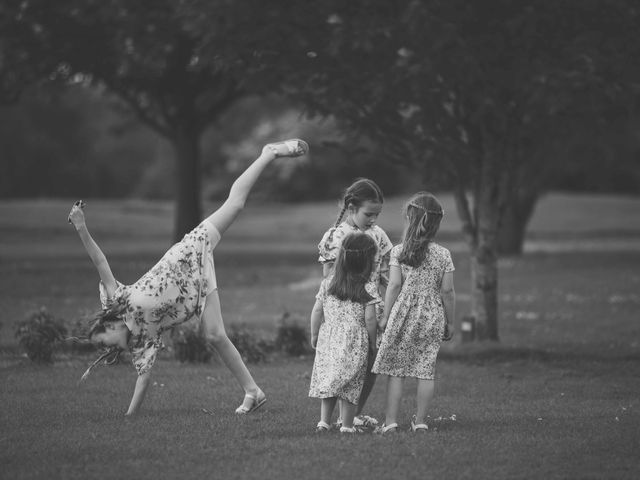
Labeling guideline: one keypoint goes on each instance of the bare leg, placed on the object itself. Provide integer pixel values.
(224, 216)
(348, 412)
(216, 334)
(326, 409)
(423, 399)
(394, 396)
(369, 382)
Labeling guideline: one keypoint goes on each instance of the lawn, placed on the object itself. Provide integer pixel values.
(557, 398)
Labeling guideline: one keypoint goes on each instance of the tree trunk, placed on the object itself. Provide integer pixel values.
(514, 221)
(484, 291)
(188, 213)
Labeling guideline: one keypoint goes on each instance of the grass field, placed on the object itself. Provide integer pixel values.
(557, 398)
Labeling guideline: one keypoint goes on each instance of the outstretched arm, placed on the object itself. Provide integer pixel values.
(76, 217)
(393, 290)
(138, 394)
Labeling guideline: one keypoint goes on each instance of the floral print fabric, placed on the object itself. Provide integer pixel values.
(171, 293)
(342, 349)
(330, 245)
(412, 338)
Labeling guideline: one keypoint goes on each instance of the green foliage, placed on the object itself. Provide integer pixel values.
(38, 333)
(291, 337)
(252, 347)
(190, 345)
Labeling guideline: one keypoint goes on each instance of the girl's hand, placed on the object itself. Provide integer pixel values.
(314, 342)
(76, 216)
(448, 333)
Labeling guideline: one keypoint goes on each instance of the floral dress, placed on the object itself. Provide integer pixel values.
(330, 245)
(171, 293)
(411, 341)
(340, 364)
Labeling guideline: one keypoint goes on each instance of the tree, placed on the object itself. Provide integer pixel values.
(147, 53)
(469, 88)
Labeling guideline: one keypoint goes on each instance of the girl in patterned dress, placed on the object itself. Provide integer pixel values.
(419, 310)
(361, 205)
(182, 285)
(343, 331)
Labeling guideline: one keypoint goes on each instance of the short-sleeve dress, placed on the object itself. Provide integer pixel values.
(330, 245)
(342, 349)
(171, 293)
(413, 335)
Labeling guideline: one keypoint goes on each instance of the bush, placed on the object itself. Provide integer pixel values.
(291, 338)
(252, 348)
(38, 333)
(190, 345)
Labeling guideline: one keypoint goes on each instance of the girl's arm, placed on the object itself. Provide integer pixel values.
(76, 216)
(448, 294)
(393, 290)
(384, 274)
(317, 317)
(139, 392)
(326, 269)
(372, 325)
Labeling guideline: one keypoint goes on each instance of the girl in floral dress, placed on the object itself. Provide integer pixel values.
(182, 285)
(361, 205)
(419, 310)
(343, 331)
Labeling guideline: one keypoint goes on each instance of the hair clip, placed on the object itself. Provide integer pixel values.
(424, 209)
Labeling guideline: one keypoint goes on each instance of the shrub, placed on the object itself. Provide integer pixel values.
(291, 337)
(252, 348)
(190, 345)
(38, 333)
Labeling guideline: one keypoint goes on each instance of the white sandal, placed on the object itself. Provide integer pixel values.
(256, 402)
(418, 427)
(322, 427)
(289, 148)
(391, 428)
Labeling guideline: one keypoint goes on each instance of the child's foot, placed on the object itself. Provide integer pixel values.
(251, 403)
(322, 427)
(418, 427)
(384, 429)
(353, 429)
(289, 148)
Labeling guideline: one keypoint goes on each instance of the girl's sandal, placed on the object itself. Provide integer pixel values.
(418, 427)
(391, 428)
(322, 427)
(289, 148)
(256, 401)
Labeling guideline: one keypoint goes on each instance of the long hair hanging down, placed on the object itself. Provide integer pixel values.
(112, 313)
(360, 191)
(424, 214)
(353, 268)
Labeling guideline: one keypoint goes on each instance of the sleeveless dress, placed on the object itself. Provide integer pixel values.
(412, 339)
(340, 363)
(171, 293)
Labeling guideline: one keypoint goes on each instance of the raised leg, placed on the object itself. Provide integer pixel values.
(224, 216)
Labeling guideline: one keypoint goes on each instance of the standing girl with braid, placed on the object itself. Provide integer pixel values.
(361, 205)
(182, 285)
(418, 312)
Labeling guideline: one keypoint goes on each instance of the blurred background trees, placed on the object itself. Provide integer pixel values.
(497, 101)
